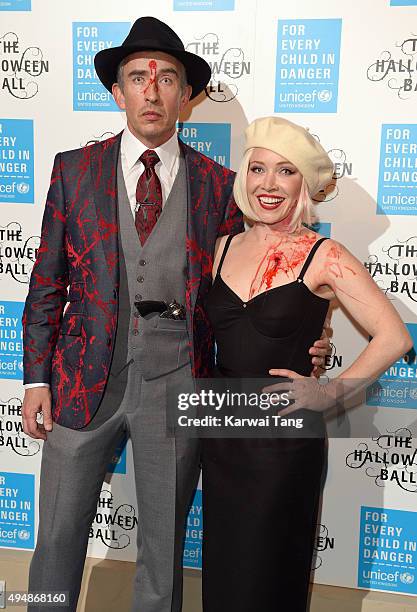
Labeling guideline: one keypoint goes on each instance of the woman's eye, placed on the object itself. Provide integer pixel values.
(287, 171)
(256, 169)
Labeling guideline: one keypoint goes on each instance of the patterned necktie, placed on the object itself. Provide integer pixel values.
(148, 196)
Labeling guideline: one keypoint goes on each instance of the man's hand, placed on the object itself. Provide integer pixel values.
(37, 400)
(321, 348)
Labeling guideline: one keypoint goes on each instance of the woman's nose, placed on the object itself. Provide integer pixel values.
(270, 181)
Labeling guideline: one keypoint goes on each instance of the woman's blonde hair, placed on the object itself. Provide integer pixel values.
(303, 213)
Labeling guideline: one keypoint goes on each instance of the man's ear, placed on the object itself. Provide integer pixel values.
(185, 97)
(118, 96)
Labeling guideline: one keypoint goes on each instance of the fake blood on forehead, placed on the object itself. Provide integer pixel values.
(152, 79)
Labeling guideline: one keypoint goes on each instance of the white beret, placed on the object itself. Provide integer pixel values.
(295, 144)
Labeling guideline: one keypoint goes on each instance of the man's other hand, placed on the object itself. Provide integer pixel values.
(319, 350)
(37, 401)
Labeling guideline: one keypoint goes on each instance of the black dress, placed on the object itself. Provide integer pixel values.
(261, 496)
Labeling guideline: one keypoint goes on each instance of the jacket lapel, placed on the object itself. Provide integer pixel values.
(198, 260)
(103, 166)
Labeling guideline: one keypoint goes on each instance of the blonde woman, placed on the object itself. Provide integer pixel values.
(271, 289)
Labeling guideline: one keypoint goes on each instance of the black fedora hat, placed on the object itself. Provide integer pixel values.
(150, 34)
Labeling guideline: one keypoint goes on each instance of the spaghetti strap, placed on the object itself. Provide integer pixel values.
(309, 258)
(226, 247)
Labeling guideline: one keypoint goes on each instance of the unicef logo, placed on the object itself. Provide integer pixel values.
(413, 394)
(407, 578)
(325, 95)
(20, 366)
(23, 187)
(23, 534)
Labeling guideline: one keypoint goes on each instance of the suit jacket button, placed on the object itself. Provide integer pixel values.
(135, 332)
(142, 262)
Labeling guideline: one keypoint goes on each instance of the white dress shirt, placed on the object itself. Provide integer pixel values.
(167, 168)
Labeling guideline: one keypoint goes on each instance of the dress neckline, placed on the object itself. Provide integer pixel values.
(298, 281)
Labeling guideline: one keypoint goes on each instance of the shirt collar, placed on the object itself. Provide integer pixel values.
(132, 148)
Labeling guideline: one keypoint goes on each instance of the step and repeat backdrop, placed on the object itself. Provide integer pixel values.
(345, 71)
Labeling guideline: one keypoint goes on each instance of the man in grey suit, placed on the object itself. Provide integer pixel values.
(131, 219)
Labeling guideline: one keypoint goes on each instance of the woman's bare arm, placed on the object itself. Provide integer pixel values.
(369, 307)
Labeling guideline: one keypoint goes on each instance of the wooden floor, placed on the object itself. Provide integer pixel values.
(107, 588)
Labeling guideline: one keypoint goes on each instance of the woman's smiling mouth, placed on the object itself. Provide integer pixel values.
(269, 202)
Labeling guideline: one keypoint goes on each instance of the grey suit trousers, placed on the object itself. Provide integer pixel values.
(74, 465)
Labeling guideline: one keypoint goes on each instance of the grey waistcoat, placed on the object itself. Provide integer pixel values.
(156, 271)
